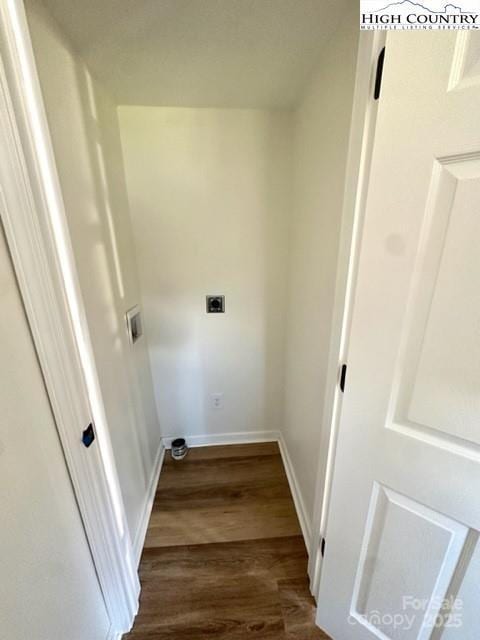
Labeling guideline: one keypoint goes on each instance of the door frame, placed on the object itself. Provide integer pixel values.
(357, 173)
(33, 216)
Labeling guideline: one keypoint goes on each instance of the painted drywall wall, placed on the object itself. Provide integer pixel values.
(209, 194)
(320, 131)
(84, 129)
(48, 585)
(254, 54)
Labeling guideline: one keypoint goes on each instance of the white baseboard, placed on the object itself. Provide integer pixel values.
(211, 440)
(305, 523)
(148, 504)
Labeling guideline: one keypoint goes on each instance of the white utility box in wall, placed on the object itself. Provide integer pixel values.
(134, 324)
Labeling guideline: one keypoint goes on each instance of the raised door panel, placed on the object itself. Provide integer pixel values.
(437, 390)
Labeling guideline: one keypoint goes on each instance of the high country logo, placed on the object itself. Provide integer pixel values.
(407, 14)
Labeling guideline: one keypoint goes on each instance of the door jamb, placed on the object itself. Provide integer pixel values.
(33, 215)
(362, 130)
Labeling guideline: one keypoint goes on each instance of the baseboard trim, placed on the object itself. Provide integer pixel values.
(148, 505)
(218, 439)
(305, 523)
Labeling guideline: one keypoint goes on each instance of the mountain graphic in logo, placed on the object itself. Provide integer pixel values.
(409, 5)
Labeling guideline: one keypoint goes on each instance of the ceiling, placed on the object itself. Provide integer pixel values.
(221, 53)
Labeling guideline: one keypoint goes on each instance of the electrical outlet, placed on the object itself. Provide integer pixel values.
(217, 400)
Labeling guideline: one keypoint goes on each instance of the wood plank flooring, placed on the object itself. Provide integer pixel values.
(224, 558)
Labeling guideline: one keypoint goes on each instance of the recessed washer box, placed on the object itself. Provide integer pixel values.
(134, 324)
(215, 304)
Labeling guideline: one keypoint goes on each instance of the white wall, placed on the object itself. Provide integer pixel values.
(321, 131)
(84, 128)
(209, 195)
(48, 586)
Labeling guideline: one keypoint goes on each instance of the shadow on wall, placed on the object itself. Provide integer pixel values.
(110, 301)
(84, 130)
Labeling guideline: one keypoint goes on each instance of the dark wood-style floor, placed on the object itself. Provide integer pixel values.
(224, 558)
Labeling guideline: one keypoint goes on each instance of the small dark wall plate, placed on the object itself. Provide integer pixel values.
(215, 304)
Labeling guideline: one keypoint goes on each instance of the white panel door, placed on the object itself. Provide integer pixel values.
(402, 554)
(48, 585)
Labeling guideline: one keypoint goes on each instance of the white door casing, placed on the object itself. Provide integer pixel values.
(362, 130)
(402, 546)
(33, 217)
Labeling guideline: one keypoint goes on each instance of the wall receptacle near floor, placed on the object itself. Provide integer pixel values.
(217, 400)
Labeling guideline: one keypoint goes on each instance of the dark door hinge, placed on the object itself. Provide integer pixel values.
(322, 547)
(88, 436)
(343, 376)
(379, 74)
